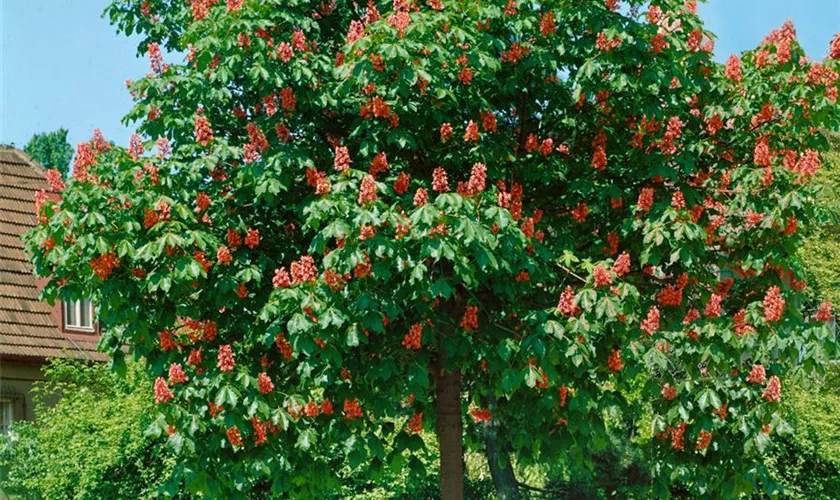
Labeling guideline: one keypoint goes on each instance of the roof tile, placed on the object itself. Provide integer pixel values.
(27, 328)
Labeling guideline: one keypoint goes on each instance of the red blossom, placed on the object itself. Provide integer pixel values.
(602, 276)
(614, 362)
(566, 305)
(757, 375)
(834, 47)
(401, 184)
(413, 339)
(176, 374)
(824, 313)
(203, 132)
(471, 133)
(445, 132)
(773, 392)
(470, 320)
(651, 323)
(421, 197)
(264, 383)
(367, 191)
(226, 362)
(439, 180)
(774, 305)
(622, 264)
(252, 238)
(162, 392)
(645, 199)
(234, 436)
(704, 438)
(481, 415)
(352, 409)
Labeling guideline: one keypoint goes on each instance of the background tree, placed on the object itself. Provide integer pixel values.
(364, 221)
(51, 150)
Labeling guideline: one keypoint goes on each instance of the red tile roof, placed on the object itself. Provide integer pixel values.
(27, 326)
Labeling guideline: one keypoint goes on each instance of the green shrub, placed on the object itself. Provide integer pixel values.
(91, 443)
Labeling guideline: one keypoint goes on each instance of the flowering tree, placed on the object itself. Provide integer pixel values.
(354, 222)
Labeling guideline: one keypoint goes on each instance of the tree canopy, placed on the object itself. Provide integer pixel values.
(51, 150)
(340, 224)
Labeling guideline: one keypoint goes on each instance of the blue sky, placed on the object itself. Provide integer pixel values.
(62, 65)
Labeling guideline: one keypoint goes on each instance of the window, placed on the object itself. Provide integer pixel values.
(78, 315)
(6, 414)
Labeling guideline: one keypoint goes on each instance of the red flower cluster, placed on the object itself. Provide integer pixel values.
(566, 305)
(55, 180)
(414, 337)
(104, 265)
(471, 133)
(135, 147)
(824, 313)
(264, 383)
(352, 409)
(703, 440)
(605, 44)
(481, 415)
(834, 47)
(401, 184)
(162, 392)
(252, 238)
(379, 164)
(421, 197)
(678, 200)
(234, 436)
(774, 305)
(645, 199)
(669, 392)
(470, 320)
(478, 179)
(302, 271)
(223, 255)
(367, 190)
(713, 306)
(563, 393)
(678, 436)
(614, 362)
(85, 157)
(547, 25)
(176, 374)
(445, 132)
(440, 183)
(284, 346)
(757, 375)
(203, 132)
(415, 425)
(622, 264)
(155, 58)
(651, 323)
(773, 391)
(602, 276)
(580, 212)
(226, 361)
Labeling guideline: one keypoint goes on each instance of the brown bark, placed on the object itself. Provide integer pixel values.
(449, 432)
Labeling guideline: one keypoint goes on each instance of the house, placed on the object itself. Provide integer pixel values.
(30, 330)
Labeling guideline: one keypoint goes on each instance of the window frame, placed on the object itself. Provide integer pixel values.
(77, 328)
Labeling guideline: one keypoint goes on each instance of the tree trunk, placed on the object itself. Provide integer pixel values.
(501, 470)
(449, 432)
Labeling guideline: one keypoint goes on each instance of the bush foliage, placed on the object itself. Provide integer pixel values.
(91, 444)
